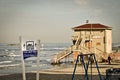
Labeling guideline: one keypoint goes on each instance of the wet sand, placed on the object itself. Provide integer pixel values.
(65, 73)
(32, 76)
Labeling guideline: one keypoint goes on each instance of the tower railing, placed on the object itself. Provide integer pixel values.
(56, 59)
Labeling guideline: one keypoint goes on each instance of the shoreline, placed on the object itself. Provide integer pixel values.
(64, 73)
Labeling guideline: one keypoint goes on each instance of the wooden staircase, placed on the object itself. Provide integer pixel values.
(61, 55)
(79, 46)
(56, 59)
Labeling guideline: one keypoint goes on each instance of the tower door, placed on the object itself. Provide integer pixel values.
(88, 44)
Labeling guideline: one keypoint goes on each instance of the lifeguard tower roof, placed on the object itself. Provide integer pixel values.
(91, 26)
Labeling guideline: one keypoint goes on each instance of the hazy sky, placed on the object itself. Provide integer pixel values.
(52, 20)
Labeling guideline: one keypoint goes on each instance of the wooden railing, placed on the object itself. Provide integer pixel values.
(68, 51)
(61, 55)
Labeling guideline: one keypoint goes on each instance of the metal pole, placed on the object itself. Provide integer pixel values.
(91, 38)
(97, 67)
(85, 67)
(75, 68)
(38, 59)
(22, 59)
(91, 65)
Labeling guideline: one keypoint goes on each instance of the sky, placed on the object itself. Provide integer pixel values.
(52, 21)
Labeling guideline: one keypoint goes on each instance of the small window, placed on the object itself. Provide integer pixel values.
(98, 43)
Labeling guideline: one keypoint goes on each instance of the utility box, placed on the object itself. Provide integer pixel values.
(113, 74)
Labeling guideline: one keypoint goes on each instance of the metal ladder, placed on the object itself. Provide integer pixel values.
(81, 58)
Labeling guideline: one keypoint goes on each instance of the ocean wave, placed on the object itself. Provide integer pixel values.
(35, 65)
(9, 65)
(5, 62)
(52, 49)
(12, 55)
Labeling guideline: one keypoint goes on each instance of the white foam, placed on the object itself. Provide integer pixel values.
(39, 65)
(48, 60)
(12, 55)
(10, 65)
(5, 62)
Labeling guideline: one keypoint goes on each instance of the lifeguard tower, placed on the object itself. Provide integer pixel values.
(95, 38)
(89, 38)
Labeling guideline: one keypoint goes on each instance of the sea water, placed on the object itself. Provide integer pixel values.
(10, 58)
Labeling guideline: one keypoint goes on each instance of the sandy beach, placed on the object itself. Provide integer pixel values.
(32, 76)
(65, 73)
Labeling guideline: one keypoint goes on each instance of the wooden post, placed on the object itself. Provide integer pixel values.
(22, 59)
(38, 59)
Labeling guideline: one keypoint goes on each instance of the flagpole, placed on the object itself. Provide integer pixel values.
(23, 63)
(38, 59)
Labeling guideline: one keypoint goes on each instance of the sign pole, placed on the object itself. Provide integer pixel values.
(23, 64)
(38, 59)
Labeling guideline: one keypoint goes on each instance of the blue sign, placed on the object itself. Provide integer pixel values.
(29, 53)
